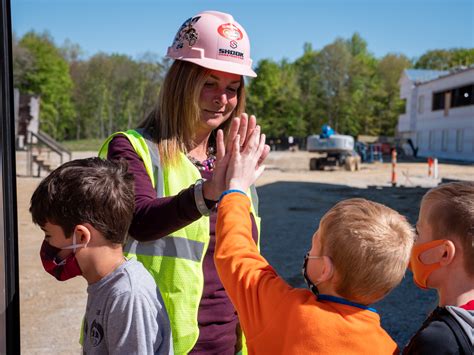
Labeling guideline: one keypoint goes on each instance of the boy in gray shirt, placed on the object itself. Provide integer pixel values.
(85, 208)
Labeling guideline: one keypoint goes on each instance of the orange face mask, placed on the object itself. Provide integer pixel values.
(421, 271)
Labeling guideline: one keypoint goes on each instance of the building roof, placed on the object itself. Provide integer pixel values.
(421, 75)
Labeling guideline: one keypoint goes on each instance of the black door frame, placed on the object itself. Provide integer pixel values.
(8, 213)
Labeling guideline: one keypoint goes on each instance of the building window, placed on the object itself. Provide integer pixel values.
(462, 96)
(459, 140)
(438, 101)
(403, 107)
(421, 104)
(444, 140)
(431, 140)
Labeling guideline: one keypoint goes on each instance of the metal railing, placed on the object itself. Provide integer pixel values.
(39, 140)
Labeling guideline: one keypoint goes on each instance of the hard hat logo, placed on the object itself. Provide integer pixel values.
(230, 31)
(186, 33)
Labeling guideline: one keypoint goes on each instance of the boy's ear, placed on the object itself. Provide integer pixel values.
(83, 234)
(327, 270)
(449, 253)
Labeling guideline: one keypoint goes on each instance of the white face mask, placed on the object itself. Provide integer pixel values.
(75, 246)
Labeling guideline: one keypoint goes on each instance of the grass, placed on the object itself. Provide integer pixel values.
(84, 145)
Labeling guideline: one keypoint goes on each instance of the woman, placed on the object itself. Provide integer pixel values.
(177, 181)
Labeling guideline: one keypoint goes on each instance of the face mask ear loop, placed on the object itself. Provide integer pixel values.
(74, 242)
(75, 246)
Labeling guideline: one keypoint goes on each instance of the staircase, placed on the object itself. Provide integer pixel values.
(44, 153)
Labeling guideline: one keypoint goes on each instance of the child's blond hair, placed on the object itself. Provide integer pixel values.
(369, 245)
(452, 215)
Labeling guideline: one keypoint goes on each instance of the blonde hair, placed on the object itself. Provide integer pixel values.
(173, 122)
(369, 245)
(452, 215)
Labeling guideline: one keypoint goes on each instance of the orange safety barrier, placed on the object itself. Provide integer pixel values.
(394, 166)
(430, 166)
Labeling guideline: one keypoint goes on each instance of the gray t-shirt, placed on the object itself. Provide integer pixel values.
(126, 315)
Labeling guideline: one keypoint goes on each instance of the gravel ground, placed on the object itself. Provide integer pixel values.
(292, 201)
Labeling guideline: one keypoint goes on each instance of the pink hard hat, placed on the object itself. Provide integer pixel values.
(213, 40)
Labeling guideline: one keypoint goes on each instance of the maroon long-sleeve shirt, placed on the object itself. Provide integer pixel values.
(157, 217)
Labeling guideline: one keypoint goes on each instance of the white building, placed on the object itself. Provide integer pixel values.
(439, 112)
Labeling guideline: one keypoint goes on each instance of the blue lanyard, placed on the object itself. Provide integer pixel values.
(344, 301)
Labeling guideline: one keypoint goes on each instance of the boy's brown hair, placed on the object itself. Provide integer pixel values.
(452, 215)
(92, 190)
(369, 245)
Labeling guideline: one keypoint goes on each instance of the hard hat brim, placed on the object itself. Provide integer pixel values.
(214, 64)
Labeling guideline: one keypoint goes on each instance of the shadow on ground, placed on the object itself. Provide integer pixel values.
(290, 214)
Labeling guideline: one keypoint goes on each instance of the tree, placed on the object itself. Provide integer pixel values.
(445, 59)
(390, 106)
(309, 82)
(114, 92)
(274, 97)
(48, 77)
(23, 63)
(333, 64)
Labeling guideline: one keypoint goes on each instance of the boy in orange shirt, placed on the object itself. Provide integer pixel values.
(358, 255)
(443, 259)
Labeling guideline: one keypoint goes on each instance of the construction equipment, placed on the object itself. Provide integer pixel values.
(337, 150)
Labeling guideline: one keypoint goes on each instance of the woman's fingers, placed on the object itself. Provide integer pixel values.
(261, 145)
(220, 145)
(252, 142)
(244, 120)
(233, 131)
(263, 156)
(252, 123)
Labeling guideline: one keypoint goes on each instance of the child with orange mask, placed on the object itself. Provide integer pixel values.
(443, 259)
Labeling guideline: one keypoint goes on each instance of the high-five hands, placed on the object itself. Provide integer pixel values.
(243, 160)
(242, 143)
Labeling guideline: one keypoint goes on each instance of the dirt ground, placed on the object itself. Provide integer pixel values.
(292, 200)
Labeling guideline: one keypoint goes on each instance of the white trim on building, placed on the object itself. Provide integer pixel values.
(439, 114)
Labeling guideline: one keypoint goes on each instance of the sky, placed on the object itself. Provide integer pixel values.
(277, 29)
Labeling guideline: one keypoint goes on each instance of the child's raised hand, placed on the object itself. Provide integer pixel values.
(244, 167)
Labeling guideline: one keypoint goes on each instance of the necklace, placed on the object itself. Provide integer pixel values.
(207, 164)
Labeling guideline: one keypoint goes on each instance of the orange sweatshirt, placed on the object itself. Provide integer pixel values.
(279, 319)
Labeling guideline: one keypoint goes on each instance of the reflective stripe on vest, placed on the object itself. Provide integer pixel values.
(174, 261)
(168, 246)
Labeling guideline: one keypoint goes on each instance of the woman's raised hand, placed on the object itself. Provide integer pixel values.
(241, 131)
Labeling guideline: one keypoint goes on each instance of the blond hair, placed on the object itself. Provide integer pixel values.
(452, 215)
(174, 120)
(369, 245)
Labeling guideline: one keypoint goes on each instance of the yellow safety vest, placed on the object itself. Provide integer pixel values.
(174, 261)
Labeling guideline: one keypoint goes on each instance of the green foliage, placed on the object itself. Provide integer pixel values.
(47, 75)
(274, 99)
(389, 71)
(114, 92)
(84, 145)
(444, 59)
(343, 85)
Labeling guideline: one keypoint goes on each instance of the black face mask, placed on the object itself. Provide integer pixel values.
(309, 283)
